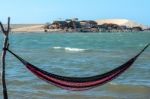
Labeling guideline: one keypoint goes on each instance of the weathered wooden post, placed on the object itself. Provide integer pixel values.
(5, 46)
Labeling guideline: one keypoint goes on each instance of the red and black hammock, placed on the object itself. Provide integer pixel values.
(78, 83)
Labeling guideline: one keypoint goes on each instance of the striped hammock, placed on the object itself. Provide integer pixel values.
(78, 83)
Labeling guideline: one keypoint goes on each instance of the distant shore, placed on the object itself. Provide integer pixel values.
(35, 28)
(74, 25)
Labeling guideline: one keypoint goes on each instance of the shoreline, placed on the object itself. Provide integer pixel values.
(36, 28)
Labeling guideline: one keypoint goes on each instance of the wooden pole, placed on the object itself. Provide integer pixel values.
(5, 45)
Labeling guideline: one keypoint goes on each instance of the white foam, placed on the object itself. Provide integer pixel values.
(113, 83)
(74, 49)
(69, 49)
(57, 47)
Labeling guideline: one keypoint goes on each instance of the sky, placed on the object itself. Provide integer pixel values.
(43, 11)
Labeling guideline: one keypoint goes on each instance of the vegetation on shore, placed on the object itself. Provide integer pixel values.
(74, 25)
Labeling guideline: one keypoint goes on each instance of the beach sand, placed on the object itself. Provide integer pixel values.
(29, 28)
(34, 28)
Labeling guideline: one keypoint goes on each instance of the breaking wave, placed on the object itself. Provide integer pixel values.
(70, 49)
(57, 47)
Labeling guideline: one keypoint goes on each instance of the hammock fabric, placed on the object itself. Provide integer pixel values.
(78, 83)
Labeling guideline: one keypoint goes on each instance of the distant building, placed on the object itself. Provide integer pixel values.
(88, 24)
(109, 27)
(147, 29)
(59, 25)
(137, 28)
(74, 25)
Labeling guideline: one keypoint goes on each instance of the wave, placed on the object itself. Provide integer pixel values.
(57, 47)
(74, 49)
(70, 49)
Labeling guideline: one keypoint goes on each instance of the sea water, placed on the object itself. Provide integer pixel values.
(79, 55)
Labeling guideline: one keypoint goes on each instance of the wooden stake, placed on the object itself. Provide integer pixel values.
(5, 45)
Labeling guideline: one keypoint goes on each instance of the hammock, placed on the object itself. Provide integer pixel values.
(78, 83)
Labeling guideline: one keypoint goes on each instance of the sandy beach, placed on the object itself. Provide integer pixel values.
(28, 28)
(34, 28)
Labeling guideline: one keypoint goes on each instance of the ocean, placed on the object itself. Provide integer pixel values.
(79, 55)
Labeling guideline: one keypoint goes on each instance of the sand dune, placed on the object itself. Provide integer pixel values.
(124, 22)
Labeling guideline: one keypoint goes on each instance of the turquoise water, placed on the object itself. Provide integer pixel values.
(78, 54)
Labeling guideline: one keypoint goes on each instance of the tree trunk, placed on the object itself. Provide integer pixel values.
(5, 45)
